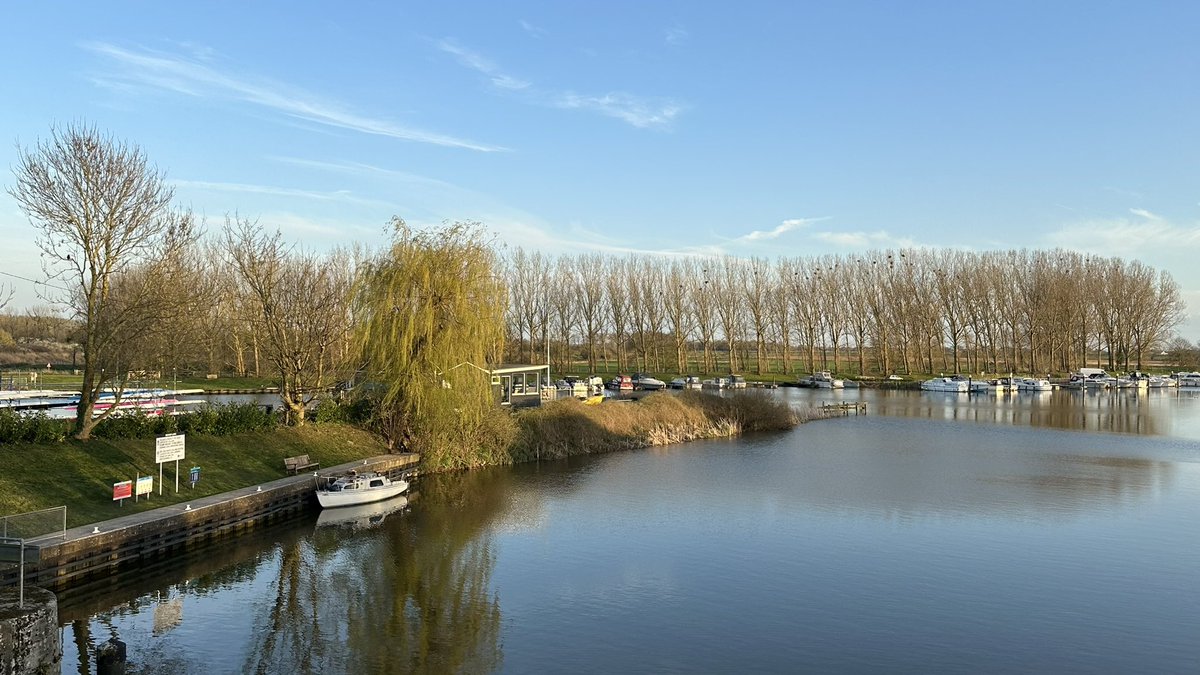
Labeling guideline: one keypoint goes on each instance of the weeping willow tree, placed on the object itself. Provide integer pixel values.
(430, 322)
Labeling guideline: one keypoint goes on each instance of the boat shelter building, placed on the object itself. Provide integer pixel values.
(519, 385)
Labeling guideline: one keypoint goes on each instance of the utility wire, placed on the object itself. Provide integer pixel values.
(33, 281)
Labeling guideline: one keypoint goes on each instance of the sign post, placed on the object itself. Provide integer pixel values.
(194, 476)
(166, 449)
(122, 491)
(143, 486)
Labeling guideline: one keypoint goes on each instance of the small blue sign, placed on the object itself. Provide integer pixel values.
(194, 475)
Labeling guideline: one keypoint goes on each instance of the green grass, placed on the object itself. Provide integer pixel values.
(81, 475)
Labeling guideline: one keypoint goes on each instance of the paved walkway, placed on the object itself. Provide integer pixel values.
(287, 485)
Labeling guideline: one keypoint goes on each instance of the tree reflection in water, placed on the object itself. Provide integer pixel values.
(412, 595)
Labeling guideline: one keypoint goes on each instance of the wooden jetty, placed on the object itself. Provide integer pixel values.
(843, 409)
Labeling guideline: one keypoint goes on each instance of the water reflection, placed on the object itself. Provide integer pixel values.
(363, 516)
(318, 601)
(1144, 412)
(894, 468)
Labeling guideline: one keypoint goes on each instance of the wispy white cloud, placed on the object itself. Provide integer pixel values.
(315, 231)
(1125, 237)
(191, 78)
(534, 31)
(784, 227)
(361, 169)
(676, 35)
(336, 195)
(877, 239)
(478, 63)
(638, 111)
(1145, 214)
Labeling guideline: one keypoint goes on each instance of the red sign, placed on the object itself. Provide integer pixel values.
(122, 490)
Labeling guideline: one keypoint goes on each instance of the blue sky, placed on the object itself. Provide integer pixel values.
(765, 128)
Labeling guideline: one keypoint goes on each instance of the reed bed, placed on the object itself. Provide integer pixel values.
(566, 428)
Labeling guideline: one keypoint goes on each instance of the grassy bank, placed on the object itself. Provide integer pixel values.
(43, 475)
(37, 476)
(566, 428)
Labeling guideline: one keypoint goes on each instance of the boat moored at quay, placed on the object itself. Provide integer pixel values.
(954, 385)
(357, 488)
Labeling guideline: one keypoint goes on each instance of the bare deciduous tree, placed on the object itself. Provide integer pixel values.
(103, 215)
(300, 303)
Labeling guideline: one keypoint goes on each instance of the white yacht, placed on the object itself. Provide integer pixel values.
(1034, 384)
(358, 488)
(1187, 379)
(948, 384)
(825, 380)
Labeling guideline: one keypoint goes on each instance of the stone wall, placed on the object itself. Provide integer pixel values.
(30, 641)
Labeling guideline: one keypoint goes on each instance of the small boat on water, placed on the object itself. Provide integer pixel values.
(358, 488)
(1187, 379)
(647, 382)
(954, 385)
(620, 383)
(1034, 384)
(737, 382)
(824, 380)
(1091, 378)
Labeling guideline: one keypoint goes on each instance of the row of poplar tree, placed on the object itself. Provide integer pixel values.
(879, 312)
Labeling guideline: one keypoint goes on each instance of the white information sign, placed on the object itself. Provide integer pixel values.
(168, 448)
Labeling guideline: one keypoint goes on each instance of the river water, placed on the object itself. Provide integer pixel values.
(938, 533)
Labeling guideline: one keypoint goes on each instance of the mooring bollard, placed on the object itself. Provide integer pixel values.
(110, 657)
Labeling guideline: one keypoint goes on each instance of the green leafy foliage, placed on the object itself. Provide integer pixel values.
(429, 323)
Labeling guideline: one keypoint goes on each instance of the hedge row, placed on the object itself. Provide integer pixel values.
(217, 420)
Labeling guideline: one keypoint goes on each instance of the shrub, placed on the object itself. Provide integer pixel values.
(329, 410)
(37, 428)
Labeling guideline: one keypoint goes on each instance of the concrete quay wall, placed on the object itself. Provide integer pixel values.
(98, 548)
(30, 641)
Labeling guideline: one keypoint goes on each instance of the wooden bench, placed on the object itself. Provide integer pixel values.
(299, 463)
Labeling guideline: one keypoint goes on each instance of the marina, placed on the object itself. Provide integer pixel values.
(938, 533)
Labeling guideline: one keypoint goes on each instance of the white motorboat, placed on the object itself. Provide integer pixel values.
(715, 383)
(825, 380)
(1091, 378)
(358, 488)
(1004, 384)
(947, 384)
(647, 382)
(737, 382)
(1187, 379)
(677, 383)
(1034, 384)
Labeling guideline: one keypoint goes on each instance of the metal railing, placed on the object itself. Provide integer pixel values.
(34, 524)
